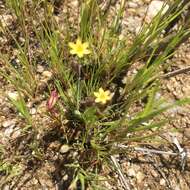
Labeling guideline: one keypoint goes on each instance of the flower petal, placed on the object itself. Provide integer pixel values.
(97, 100)
(72, 45)
(107, 92)
(80, 54)
(101, 90)
(85, 45)
(78, 42)
(86, 51)
(72, 51)
(109, 98)
(103, 101)
(96, 94)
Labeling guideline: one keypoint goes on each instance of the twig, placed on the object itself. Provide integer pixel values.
(78, 87)
(176, 72)
(154, 151)
(182, 153)
(122, 177)
(148, 151)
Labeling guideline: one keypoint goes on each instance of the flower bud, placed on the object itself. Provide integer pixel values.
(52, 100)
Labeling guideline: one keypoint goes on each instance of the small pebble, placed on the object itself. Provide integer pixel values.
(177, 187)
(8, 131)
(6, 187)
(33, 111)
(6, 20)
(47, 74)
(154, 7)
(13, 95)
(140, 176)
(22, 39)
(40, 69)
(75, 154)
(65, 177)
(64, 149)
(131, 172)
(35, 181)
(163, 182)
(16, 133)
(133, 22)
(9, 123)
(132, 5)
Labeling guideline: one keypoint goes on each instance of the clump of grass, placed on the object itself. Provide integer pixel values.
(8, 170)
(89, 104)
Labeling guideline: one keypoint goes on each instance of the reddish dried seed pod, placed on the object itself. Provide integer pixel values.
(52, 100)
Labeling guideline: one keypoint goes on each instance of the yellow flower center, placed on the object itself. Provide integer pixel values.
(103, 96)
(79, 48)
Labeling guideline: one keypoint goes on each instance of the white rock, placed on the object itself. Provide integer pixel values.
(13, 95)
(65, 177)
(64, 149)
(134, 71)
(8, 131)
(140, 176)
(158, 96)
(75, 154)
(138, 29)
(131, 172)
(132, 5)
(3, 40)
(154, 7)
(33, 111)
(6, 187)
(8, 123)
(35, 181)
(163, 182)
(6, 20)
(47, 74)
(124, 80)
(22, 39)
(74, 3)
(40, 69)
(16, 133)
(133, 23)
(177, 187)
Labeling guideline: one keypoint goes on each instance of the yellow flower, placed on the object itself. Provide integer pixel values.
(79, 48)
(102, 96)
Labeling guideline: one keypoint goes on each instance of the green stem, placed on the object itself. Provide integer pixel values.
(78, 87)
